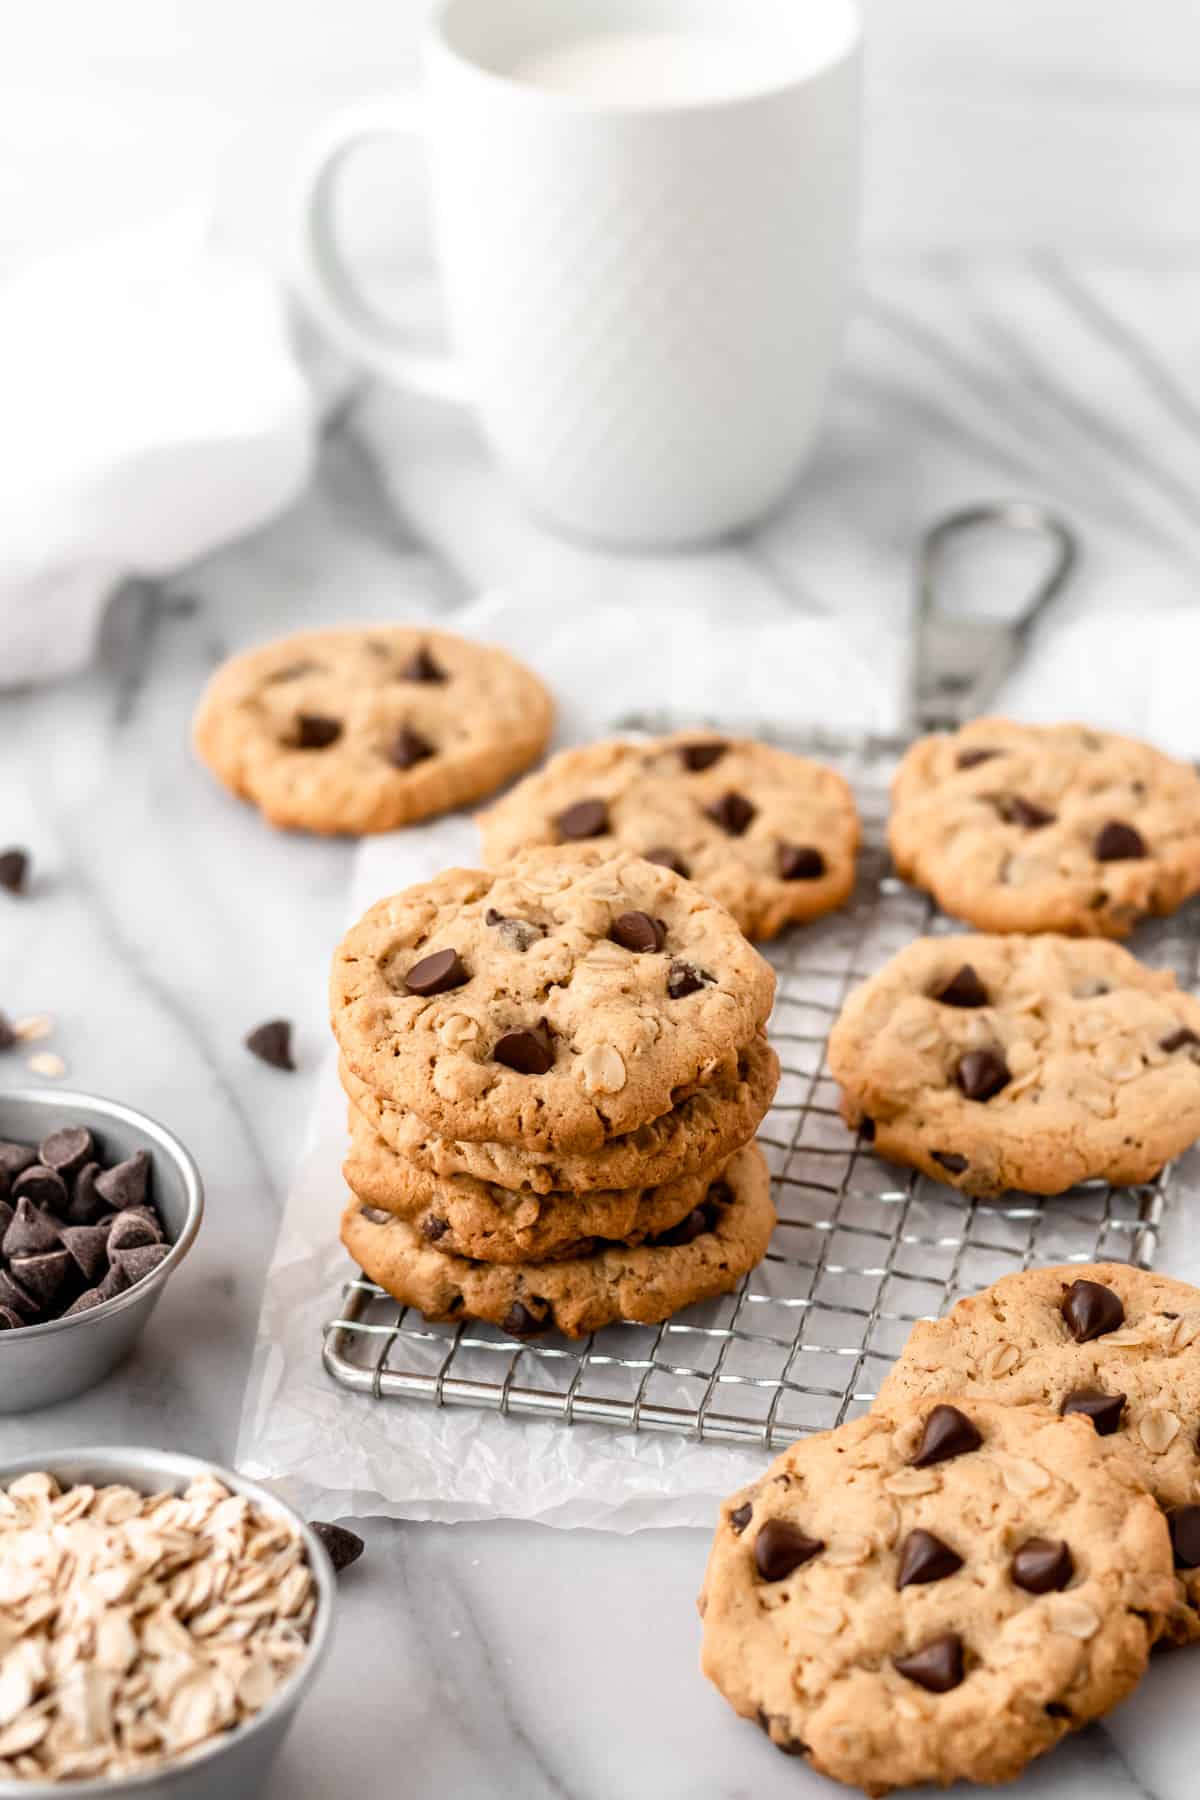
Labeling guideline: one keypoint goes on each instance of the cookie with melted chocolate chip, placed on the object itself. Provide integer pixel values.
(1046, 827)
(900, 1617)
(365, 728)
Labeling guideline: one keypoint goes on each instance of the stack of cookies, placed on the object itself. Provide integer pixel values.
(556, 1071)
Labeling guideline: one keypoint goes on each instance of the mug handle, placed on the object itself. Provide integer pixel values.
(334, 294)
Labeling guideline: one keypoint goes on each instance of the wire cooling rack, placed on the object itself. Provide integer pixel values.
(861, 1251)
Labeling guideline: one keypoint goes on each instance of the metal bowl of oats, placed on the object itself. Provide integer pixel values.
(52, 1358)
(163, 1619)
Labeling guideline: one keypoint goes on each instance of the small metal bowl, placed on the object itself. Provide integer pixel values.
(233, 1766)
(42, 1364)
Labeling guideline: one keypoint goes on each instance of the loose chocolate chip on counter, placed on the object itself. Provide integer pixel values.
(88, 1245)
(272, 1043)
(1091, 1310)
(740, 1517)
(925, 1558)
(342, 1547)
(1183, 1522)
(947, 1433)
(519, 1322)
(936, 1666)
(637, 931)
(125, 1183)
(973, 755)
(1118, 842)
(408, 748)
(1042, 1565)
(982, 1073)
(733, 813)
(14, 871)
(702, 756)
(1014, 809)
(1183, 1039)
(315, 732)
(667, 859)
(86, 1207)
(43, 1276)
(66, 1151)
(799, 862)
(139, 1262)
(32, 1229)
(951, 1161)
(1104, 1410)
(964, 989)
(130, 1230)
(421, 666)
(585, 819)
(434, 1228)
(43, 1187)
(528, 1052)
(437, 974)
(514, 934)
(685, 978)
(781, 1547)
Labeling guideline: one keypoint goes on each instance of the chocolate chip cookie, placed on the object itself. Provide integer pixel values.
(701, 1132)
(699, 1259)
(939, 1591)
(771, 836)
(1031, 1063)
(366, 728)
(571, 997)
(478, 1219)
(1116, 1345)
(1046, 827)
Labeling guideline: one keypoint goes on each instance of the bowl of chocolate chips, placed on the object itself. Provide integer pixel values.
(98, 1206)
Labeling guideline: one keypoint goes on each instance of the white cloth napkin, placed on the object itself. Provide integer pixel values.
(152, 410)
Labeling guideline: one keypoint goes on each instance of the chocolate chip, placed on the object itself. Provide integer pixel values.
(1042, 1565)
(422, 667)
(13, 1295)
(86, 1206)
(66, 1151)
(668, 859)
(697, 1222)
(585, 819)
(685, 978)
(866, 1130)
(342, 1547)
(434, 1228)
(781, 1547)
(6, 1218)
(1091, 1310)
(91, 1297)
(964, 988)
(1182, 1039)
(117, 1280)
(272, 1043)
(14, 871)
(315, 732)
(32, 1230)
(519, 1322)
(638, 932)
(740, 1517)
(799, 862)
(937, 1666)
(376, 1215)
(732, 812)
(528, 1052)
(42, 1276)
(9, 1320)
(408, 748)
(1014, 809)
(129, 1231)
(43, 1187)
(1118, 842)
(951, 1161)
(437, 974)
(1104, 1410)
(141, 1261)
(88, 1245)
(925, 1558)
(514, 934)
(8, 1036)
(1183, 1522)
(947, 1433)
(702, 755)
(14, 1158)
(125, 1183)
(973, 755)
(982, 1073)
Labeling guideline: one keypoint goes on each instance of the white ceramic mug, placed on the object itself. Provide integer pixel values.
(646, 289)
